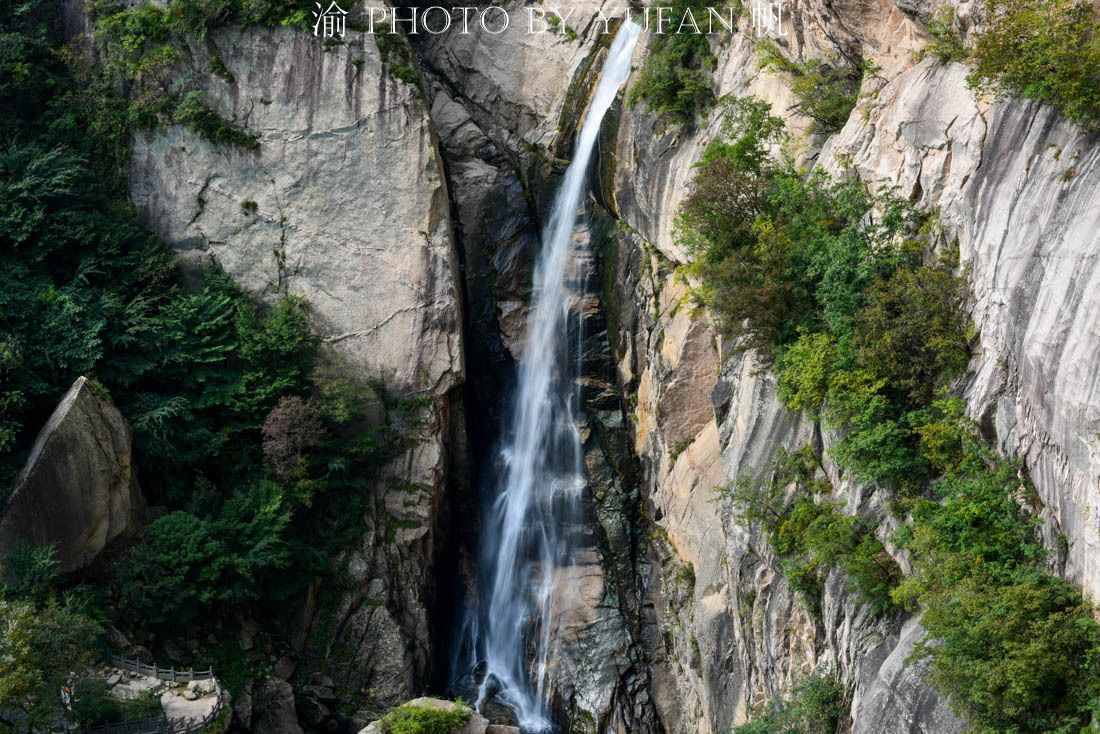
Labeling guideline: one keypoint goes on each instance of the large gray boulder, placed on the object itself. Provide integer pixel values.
(273, 709)
(77, 491)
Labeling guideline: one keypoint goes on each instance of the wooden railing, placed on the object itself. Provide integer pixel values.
(162, 724)
(151, 725)
(197, 724)
(171, 675)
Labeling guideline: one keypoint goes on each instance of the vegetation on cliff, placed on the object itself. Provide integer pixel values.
(866, 327)
(675, 79)
(811, 535)
(255, 455)
(826, 93)
(815, 706)
(1046, 50)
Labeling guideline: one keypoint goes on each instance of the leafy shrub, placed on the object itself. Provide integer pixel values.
(193, 112)
(173, 574)
(827, 279)
(397, 57)
(804, 371)
(811, 534)
(410, 719)
(1046, 50)
(815, 706)
(826, 93)
(947, 44)
(781, 254)
(186, 565)
(675, 78)
(1015, 648)
(914, 332)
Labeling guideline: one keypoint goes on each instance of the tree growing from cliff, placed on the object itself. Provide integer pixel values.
(1046, 50)
(877, 338)
(675, 78)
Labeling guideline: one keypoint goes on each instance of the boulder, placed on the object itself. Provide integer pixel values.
(273, 709)
(242, 709)
(312, 712)
(77, 491)
(201, 688)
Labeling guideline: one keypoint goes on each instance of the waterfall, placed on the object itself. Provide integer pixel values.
(524, 534)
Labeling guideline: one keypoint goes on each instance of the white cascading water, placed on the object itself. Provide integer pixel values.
(524, 538)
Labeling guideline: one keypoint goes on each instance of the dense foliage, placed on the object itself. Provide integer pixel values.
(867, 329)
(675, 78)
(1046, 50)
(196, 366)
(829, 281)
(40, 647)
(815, 706)
(947, 43)
(1016, 648)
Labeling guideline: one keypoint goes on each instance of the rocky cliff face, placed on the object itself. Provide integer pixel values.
(1011, 182)
(678, 619)
(345, 204)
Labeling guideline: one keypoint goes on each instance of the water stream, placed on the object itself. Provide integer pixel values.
(525, 537)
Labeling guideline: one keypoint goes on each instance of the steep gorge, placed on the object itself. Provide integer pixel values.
(427, 225)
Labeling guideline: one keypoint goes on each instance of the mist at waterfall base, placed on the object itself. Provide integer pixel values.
(506, 636)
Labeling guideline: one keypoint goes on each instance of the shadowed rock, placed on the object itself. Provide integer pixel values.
(77, 491)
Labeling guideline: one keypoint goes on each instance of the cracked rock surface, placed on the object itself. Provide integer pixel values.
(345, 204)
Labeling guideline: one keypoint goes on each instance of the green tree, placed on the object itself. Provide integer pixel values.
(914, 332)
(675, 78)
(174, 574)
(826, 93)
(29, 571)
(42, 649)
(187, 566)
